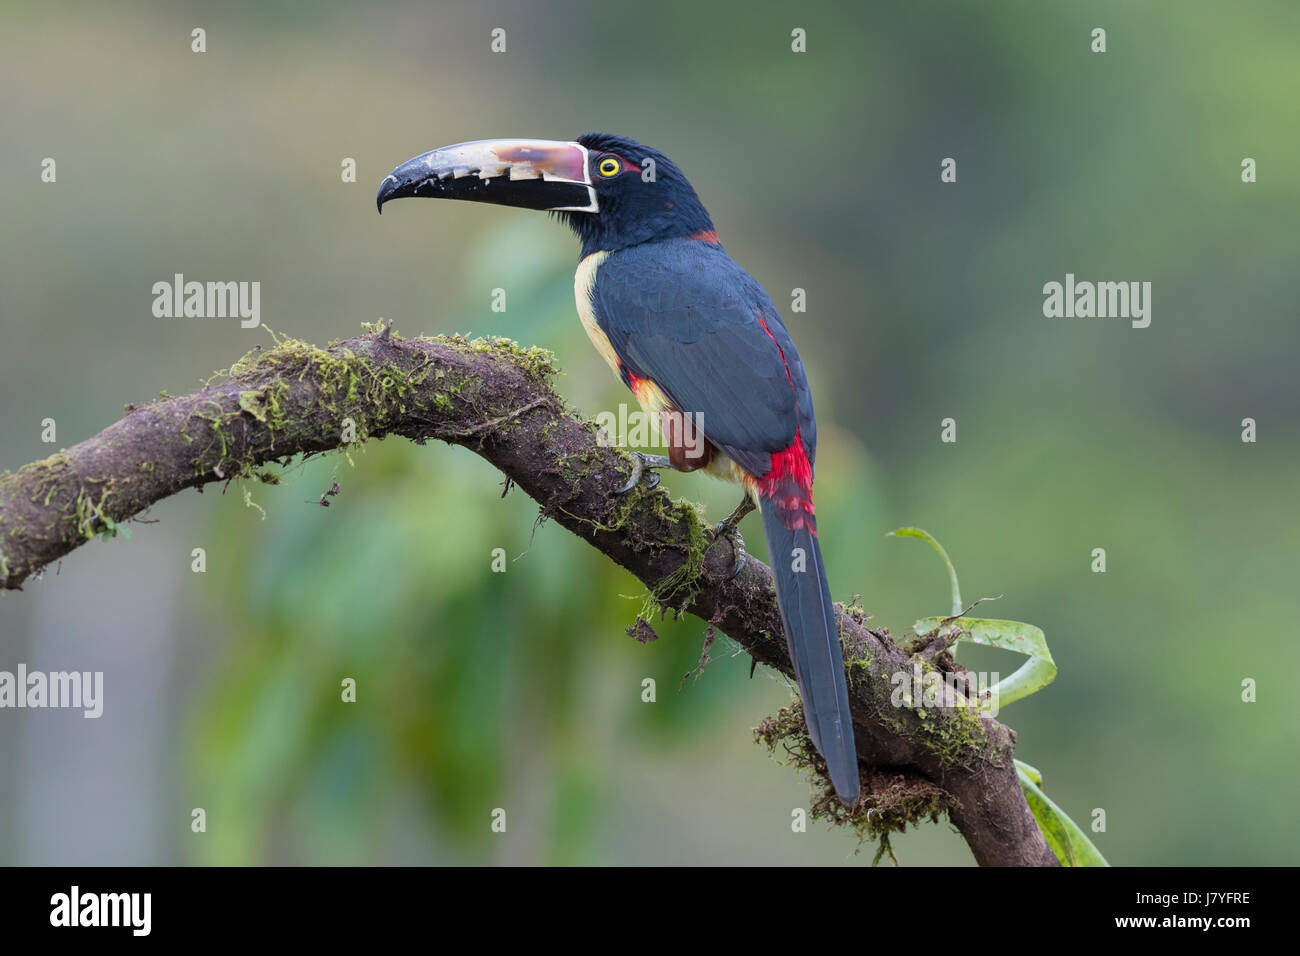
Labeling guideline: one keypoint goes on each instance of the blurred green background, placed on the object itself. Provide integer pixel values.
(520, 690)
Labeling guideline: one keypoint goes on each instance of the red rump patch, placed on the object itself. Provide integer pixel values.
(788, 483)
(790, 466)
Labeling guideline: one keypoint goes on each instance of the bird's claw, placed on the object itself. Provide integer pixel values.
(727, 529)
(641, 463)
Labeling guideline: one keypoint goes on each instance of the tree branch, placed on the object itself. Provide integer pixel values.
(495, 398)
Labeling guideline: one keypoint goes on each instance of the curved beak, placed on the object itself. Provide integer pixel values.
(530, 173)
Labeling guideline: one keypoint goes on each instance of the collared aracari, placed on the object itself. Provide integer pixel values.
(698, 341)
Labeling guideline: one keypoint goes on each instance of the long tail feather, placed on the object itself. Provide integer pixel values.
(813, 638)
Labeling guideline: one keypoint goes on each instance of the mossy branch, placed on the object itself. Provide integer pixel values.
(495, 398)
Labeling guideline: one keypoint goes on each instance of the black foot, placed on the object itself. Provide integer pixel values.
(729, 528)
(641, 463)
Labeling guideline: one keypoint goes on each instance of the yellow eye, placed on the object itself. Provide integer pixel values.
(608, 166)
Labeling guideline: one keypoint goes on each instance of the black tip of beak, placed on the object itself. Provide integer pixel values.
(392, 188)
(412, 178)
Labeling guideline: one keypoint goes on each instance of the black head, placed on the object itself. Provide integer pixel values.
(612, 191)
(641, 194)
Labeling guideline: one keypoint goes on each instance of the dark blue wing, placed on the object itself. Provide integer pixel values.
(683, 314)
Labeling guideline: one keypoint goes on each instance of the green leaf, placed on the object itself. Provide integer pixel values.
(1063, 835)
(1033, 773)
(1033, 675)
(112, 529)
(1071, 846)
(952, 572)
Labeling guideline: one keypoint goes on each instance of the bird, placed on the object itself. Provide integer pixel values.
(698, 342)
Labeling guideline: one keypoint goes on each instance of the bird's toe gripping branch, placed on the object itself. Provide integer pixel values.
(729, 528)
(642, 463)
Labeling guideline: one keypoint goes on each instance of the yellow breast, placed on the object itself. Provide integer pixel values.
(584, 280)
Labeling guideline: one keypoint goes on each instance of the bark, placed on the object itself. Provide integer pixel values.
(495, 398)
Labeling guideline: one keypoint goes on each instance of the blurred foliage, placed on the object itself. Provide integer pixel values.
(519, 690)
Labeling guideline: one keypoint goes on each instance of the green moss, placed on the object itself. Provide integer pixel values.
(218, 419)
(347, 381)
(266, 404)
(679, 589)
(89, 515)
(348, 385)
(891, 800)
(954, 739)
(48, 472)
(537, 363)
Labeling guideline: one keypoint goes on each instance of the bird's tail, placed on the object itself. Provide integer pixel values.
(813, 637)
